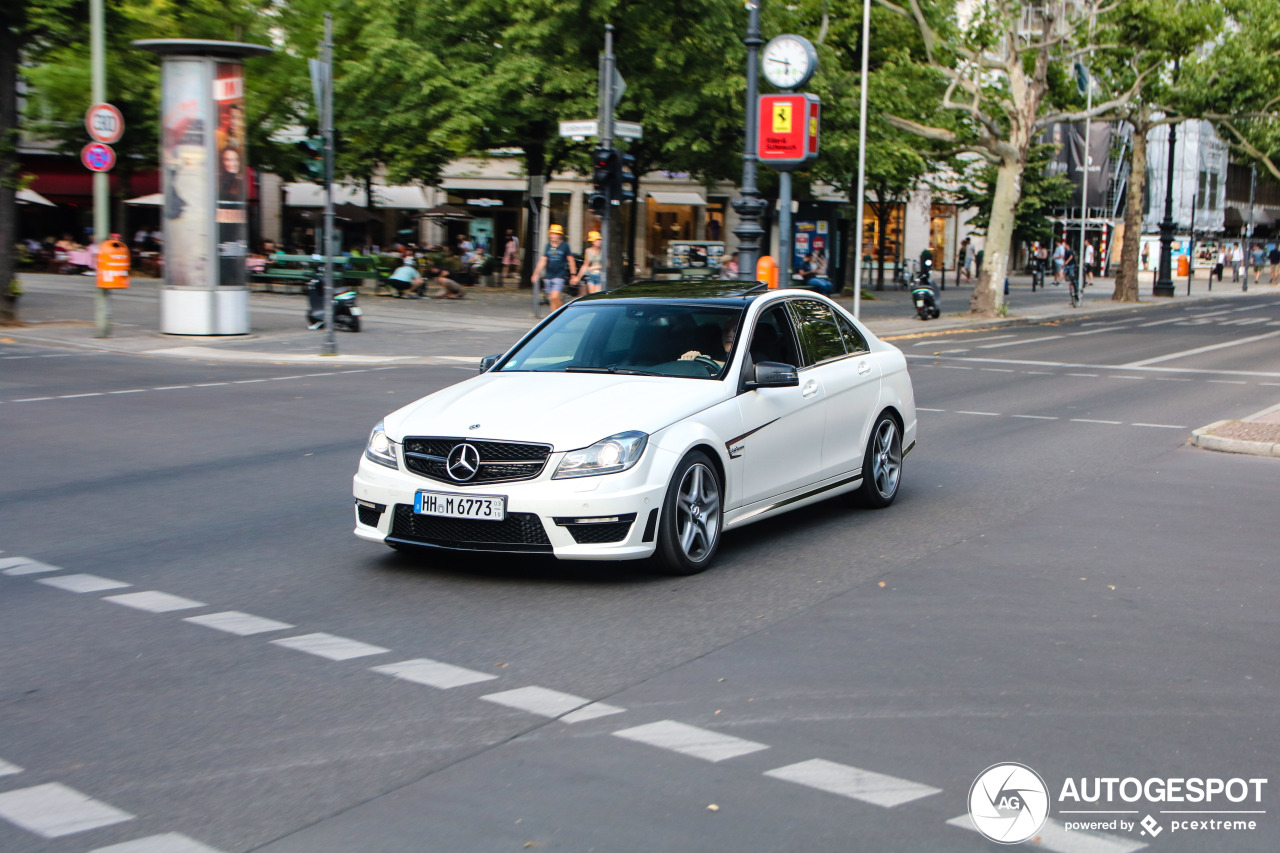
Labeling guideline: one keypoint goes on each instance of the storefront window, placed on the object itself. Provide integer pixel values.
(941, 218)
(668, 222)
(893, 229)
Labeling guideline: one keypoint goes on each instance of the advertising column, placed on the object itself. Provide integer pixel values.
(203, 169)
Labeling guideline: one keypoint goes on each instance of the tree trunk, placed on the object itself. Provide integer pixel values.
(988, 293)
(1127, 279)
(9, 46)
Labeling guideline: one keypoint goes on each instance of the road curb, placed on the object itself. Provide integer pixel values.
(1207, 439)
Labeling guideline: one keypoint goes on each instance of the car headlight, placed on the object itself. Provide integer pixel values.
(381, 449)
(607, 456)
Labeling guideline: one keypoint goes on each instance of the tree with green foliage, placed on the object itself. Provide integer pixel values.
(1042, 193)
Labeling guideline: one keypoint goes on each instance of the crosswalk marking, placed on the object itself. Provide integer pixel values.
(691, 740)
(154, 602)
(23, 566)
(82, 583)
(53, 810)
(170, 842)
(538, 700)
(1055, 837)
(329, 646)
(594, 711)
(433, 673)
(7, 769)
(235, 622)
(865, 785)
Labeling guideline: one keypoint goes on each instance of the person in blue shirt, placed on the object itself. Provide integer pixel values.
(406, 281)
(555, 266)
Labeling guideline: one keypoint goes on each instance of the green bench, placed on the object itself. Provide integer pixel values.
(296, 271)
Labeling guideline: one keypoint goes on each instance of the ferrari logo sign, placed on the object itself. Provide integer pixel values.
(782, 118)
(788, 132)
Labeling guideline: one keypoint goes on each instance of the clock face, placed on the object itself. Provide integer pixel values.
(787, 62)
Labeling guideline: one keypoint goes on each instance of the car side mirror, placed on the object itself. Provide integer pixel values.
(489, 361)
(773, 374)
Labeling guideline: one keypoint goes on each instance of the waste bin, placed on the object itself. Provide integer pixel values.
(1184, 265)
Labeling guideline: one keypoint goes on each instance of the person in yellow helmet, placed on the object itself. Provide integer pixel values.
(556, 265)
(591, 264)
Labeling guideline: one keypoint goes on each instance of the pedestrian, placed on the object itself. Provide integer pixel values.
(1090, 256)
(1068, 261)
(1237, 258)
(1274, 257)
(962, 260)
(813, 269)
(510, 256)
(450, 288)
(405, 281)
(1146, 255)
(1059, 255)
(1258, 257)
(592, 264)
(1221, 265)
(971, 260)
(555, 266)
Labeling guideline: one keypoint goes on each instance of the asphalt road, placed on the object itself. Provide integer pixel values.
(1063, 582)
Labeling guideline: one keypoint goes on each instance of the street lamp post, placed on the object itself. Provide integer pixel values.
(1164, 279)
(749, 205)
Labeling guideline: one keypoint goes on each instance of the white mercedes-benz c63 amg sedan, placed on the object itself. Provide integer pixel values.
(643, 423)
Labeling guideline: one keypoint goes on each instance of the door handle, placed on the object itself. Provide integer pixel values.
(810, 388)
(863, 368)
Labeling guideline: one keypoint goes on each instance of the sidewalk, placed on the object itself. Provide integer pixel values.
(58, 310)
(1256, 435)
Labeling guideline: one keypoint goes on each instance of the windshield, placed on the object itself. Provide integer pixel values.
(662, 339)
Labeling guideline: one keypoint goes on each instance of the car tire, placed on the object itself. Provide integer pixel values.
(881, 464)
(692, 518)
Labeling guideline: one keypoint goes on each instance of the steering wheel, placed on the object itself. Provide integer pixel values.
(712, 366)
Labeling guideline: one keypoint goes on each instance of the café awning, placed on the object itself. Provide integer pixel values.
(304, 194)
(678, 198)
(152, 199)
(33, 197)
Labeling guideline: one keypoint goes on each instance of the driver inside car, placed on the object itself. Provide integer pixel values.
(720, 356)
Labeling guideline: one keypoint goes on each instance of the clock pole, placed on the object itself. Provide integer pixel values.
(749, 205)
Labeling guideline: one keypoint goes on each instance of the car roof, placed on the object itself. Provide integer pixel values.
(736, 293)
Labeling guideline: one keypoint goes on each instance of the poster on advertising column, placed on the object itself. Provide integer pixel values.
(184, 124)
(232, 214)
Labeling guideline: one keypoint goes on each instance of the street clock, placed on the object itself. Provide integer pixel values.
(788, 61)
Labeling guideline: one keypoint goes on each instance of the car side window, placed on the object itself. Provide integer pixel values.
(819, 335)
(853, 339)
(773, 339)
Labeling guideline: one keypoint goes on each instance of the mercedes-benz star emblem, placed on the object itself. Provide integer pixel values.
(463, 462)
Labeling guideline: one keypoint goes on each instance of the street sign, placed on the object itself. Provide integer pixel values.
(104, 123)
(788, 135)
(97, 157)
(591, 127)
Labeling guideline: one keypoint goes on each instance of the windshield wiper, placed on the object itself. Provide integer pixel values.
(620, 371)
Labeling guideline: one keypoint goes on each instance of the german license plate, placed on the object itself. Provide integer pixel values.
(357, 311)
(479, 507)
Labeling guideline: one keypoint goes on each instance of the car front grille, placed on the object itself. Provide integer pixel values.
(519, 531)
(500, 461)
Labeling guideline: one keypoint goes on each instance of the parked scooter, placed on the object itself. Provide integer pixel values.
(346, 314)
(923, 294)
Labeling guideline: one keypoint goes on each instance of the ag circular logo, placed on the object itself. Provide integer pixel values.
(1008, 803)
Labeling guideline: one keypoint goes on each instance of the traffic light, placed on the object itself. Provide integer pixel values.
(627, 178)
(312, 149)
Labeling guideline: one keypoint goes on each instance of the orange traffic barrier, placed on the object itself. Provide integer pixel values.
(113, 263)
(1184, 266)
(767, 271)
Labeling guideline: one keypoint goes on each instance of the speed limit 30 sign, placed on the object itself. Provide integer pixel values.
(104, 123)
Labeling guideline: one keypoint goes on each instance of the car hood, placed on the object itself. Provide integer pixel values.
(565, 410)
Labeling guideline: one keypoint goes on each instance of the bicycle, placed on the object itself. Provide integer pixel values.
(904, 277)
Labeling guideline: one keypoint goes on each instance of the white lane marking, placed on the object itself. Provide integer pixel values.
(180, 387)
(54, 810)
(1035, 417)
(1270, 384)
(169, 842)
(76, 396)
(1162, 322)
(1159, 426)
(31, 399)
(969, 341)
(329, 646)
(865, 785)
(154, 602)
(1093, 421)
(170, 387)
(249, 381)
(1090, 375)
(1097, 331)
(984, 414)
(7, 769)
(1172, 379)
(433, 673)
(691, 740)
(1055, 837)
(954, 367)
(130, 391)
(996, 369)
(538, 700)
(1199, 350)
(1227, 381)
(82, 583)
(235, 622)
(1197, 371)
(1039, 373)
(1126, 377)
(210, 384)
(594, 711)
(1021, 342)
(25, 566)
(923, 409)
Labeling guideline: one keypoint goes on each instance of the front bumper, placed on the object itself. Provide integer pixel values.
(564, 518)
